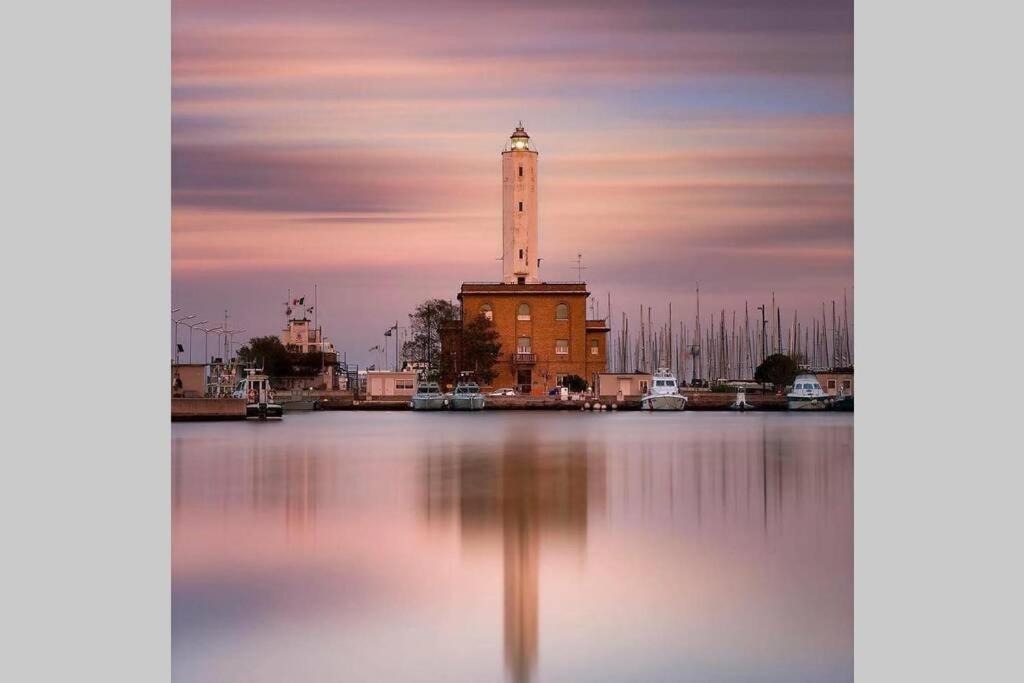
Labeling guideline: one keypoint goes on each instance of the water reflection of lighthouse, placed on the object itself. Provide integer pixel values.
(527, 490)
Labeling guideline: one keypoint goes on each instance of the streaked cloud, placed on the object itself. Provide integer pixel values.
(704, 140)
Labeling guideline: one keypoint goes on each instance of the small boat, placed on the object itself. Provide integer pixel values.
(741, 401)
(664, 393)
(428, 396)
(807, 394)
(259, 397)
(843, 402)
(467, 396)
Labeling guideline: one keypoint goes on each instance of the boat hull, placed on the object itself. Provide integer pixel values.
(428, 402)
(843, 405)
(263, 410)
(809, 403)
(663, 402)
(467, 403)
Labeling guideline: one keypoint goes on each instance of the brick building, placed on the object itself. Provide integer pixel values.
(542, 326)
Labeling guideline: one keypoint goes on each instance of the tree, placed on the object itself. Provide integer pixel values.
(424, 344)
(480, 349)
(574, 383)
(268, 353)
(778, 369)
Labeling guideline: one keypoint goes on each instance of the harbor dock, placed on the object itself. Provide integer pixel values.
(184, 409)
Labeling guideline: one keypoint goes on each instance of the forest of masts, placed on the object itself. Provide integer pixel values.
(729, 346)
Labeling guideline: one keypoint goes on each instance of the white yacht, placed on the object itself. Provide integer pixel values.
(467, 396)
(664, 393)
(428, 396)
(807, 394)
(259, 397)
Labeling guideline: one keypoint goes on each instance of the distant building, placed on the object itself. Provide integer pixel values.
(301, 337)
(611, 385)
(836, 381)
(388, 384)
(542, 326)
(188, 380)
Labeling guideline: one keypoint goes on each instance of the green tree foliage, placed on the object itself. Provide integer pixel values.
(480, 349)
(276, 360)
(424, 344)
(778, 369)
(267, 353)
(574, 383)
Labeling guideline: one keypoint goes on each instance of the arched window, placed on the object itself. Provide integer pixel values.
(487, 312)
(524, 312)
(562, 312)
(593, 347)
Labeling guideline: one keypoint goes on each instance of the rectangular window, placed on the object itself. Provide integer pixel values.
(520, 171)
(593, 347)
(831, 384)
(846, 384)
(520, 206)
(523, 345)
(562, 347)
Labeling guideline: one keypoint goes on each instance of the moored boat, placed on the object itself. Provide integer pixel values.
(843, 402)
(807, 394)
(259, 397)
(428, 396)
(741, 401)
(467, 396)
(664, 393)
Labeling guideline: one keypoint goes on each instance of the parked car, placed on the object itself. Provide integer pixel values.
(503, 392)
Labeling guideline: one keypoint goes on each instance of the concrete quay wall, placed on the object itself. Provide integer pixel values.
(207, 409)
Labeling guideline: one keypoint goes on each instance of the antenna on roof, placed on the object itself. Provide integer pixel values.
(579, 267)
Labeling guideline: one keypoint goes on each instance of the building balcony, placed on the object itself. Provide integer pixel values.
(524, 358)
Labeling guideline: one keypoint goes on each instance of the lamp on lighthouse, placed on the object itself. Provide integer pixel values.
(519, 140)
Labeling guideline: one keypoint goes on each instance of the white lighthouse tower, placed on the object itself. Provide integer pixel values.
(519, 210)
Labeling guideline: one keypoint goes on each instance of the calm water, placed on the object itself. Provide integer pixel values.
(360, 546)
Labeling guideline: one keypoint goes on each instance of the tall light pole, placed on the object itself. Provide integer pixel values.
(230, 342)
(190, 326)
(206, 342)
(179, 321)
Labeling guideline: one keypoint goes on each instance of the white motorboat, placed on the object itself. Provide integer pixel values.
(664, 393)
(741, 401)
(259, 397)
(428, 396)
(467, 396)
(807, 394)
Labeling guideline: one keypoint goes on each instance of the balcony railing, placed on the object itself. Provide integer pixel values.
(525, 358)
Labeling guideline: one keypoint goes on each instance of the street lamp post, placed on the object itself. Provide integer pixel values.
(179, 321)
(206, 342)
(190, 327)
(228, 347)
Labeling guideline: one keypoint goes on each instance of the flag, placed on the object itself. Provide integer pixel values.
(288, 311)
(302, 301)
(388, 333)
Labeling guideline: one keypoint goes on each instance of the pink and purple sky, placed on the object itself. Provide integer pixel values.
(357, 145)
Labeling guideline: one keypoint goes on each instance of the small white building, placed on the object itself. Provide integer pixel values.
(389, 384)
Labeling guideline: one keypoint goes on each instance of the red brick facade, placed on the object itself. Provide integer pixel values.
(543, 330)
